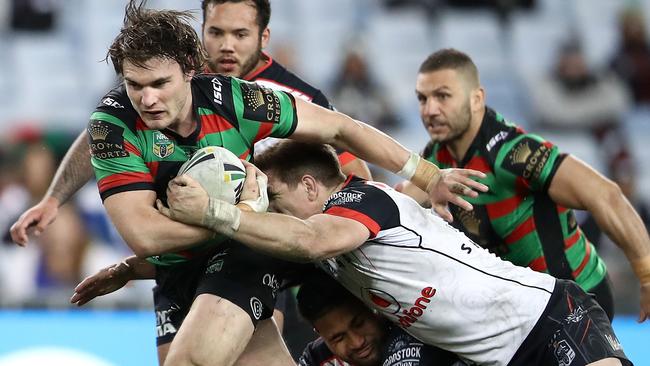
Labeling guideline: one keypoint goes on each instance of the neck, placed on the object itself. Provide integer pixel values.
(458, 147)
(261, 62)
(186, 123)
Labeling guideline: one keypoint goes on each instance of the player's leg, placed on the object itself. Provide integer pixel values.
(604, 296)
(235, 292)
(266, 344)
(583, 334)
(214, 332)
(607, 362)
(162, 351)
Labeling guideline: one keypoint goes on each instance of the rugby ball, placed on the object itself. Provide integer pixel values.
(218, 171)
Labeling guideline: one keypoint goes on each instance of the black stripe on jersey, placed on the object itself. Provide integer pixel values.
(140, 186)
(552, 242)
(371, 201)
(560, 158)
(455, 259)
(214, 92)
(116, 103)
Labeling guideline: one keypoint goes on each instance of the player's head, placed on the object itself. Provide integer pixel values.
(234, 34)
(449, 94)
(301, 176)
(351, 331)
(157, 52)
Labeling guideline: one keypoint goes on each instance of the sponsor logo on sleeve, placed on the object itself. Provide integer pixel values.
(106, 140)
(260, 104)
(162, 145)
(527, 159)
(112, 103)
(495, 139)
(216, 91)
(344, 197)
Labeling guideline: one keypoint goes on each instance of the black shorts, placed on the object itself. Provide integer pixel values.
(234, 272)
(573, 330)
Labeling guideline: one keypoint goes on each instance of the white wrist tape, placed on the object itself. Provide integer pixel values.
(261, 204)
(221, 217)
(408, 170)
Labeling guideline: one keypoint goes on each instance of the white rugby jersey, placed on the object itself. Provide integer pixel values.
(428, 277)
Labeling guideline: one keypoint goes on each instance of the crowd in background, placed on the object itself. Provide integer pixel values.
(591, 101)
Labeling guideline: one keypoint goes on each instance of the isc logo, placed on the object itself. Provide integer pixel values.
(112, 103)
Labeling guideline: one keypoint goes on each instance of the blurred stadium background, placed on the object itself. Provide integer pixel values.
(52, 77)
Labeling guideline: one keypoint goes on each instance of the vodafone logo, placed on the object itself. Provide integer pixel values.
(382, 300)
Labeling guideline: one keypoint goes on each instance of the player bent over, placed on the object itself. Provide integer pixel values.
(408, 264)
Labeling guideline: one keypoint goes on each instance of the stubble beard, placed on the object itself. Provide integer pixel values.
(250, 64)
(458, 127)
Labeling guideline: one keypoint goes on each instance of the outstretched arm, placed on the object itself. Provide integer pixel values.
(112, 278)
(319, 237)
(75, 170)
(317, 124)
(576, 185)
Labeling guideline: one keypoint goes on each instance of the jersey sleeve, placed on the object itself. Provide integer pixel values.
(317, 353)
(322, 101)
(262, 112)
(115, 153)
(367, 204)
(531, 159)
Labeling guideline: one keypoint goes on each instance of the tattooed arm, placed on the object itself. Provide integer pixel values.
(75, 170)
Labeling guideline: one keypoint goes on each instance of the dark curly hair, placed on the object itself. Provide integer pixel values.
(148, 34)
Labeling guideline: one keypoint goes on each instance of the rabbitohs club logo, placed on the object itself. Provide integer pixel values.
(162, 145)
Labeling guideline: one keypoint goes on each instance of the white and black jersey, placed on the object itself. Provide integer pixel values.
(432, 280)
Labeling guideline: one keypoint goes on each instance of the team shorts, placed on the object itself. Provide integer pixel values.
(573, 330)
(234, 272)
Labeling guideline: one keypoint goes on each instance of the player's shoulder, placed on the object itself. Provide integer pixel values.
(357, 191)
(214, 92)
(116, 105)
(276, 76)
(316, 353)
(282, 75)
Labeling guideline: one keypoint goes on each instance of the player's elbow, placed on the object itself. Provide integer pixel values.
(143, 250)
(609, 197)
(610, 193)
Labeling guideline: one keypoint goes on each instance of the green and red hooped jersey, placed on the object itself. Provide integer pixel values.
(128, 156)
(516, 219)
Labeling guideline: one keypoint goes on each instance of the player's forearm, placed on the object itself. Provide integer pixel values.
(162, 238)
(370, 144)
(618, 219)
(75, 170)
(139, 269)
(278, 235)
(145, 230)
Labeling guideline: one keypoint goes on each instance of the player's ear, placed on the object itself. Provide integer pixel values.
(265, 37)
(310, 186)
(189, 75)
(477, 99)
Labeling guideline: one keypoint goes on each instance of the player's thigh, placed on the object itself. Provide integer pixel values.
(266, 347)
(214, 332)
(162, 351)
(607, 362)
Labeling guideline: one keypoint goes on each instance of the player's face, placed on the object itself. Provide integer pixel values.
(232, 38)
(353, 333)
(294, 201)
(444, 104)
(159, 92)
